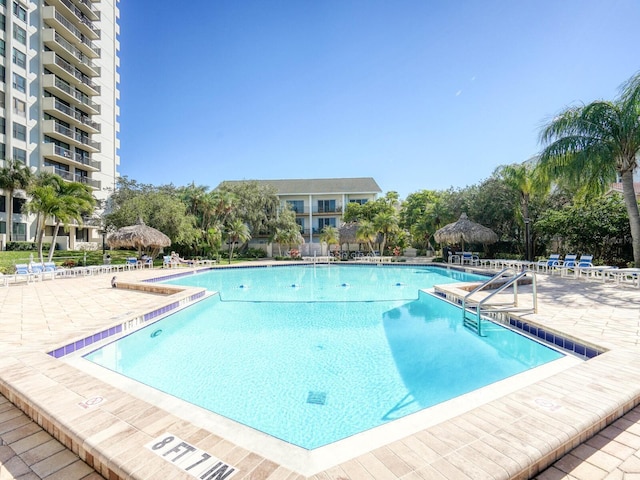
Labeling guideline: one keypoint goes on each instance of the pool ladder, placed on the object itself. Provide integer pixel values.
(472, 310)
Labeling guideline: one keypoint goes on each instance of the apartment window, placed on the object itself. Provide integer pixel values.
(18, 203)
(3, 204)
(3, 150)
(359, 201)
(1, 99)
(3, 126)
(296, 205)
(19, 12)
(326, 222)
(19, 131)
(19, 231)
(300, 222)
(20, 34)
(19, 58)
(19, 83)
(2, 73)
(2, 47)
(3, 22)
(326, 206)
(19, 155)
(3, 227)
(19, 107)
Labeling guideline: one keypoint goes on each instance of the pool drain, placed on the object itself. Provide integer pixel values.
(156, 333)
(317, 398)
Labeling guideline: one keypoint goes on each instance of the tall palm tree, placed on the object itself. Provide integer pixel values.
(523, 179)
(366, 233)
(14, 175)
(237, 231)
(44, 203)
(52, 196)
(385, 223)
(76, 201)
(592, 143)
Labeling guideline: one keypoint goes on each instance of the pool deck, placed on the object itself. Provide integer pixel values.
(582, 422)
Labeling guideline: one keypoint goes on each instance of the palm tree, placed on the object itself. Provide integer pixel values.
(76, 201)
(52, 196)
(524, 179)
(385, 223)
(44, 203)
(366, 233)
(330, 235)
(590, 144)
(14, 176)
(237, 231)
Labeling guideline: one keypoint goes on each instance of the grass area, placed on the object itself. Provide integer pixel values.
(8, 260)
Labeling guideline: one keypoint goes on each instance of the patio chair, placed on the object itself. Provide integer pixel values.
(569, 261)
(546, 265)
(625, 275)
(132, 262)
(572, 267)
(24, 273)
(470, 259)
(166, 261)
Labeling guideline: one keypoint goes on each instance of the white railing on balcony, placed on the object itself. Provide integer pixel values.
(77, 33)
(77, 94)
(75, 72)
(77, 53)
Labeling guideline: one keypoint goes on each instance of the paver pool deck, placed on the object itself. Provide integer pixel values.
(579, 422)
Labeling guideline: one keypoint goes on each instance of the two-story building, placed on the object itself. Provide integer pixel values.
(319, 202)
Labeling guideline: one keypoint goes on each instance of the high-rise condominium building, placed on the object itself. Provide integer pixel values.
(58, 100)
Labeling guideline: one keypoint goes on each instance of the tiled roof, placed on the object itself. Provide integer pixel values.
(318, 186)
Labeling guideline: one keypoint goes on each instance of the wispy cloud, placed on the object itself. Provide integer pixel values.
(458, 93)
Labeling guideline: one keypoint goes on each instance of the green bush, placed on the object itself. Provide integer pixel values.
(254, 253)
(27, 247)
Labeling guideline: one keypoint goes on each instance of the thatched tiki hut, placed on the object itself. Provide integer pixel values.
(464, 230)
(141, 237)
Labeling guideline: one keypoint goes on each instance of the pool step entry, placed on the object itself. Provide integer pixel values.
(472, 309)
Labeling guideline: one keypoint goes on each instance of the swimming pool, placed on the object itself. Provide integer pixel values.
(312, 355)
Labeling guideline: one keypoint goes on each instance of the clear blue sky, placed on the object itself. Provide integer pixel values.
(417, 94)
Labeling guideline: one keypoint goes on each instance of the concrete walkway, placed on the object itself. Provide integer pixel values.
(40, 317)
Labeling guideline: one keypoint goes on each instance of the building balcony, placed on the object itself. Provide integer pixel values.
(55, 107)
(72, 95)
(78, 17)
(71, 177)
(89, 10)
(70, 52)
(67, 157)
(318, 210)
(69, 73)
(69, 30)
(68, 135)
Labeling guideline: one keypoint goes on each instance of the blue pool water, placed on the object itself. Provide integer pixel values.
(312, 355)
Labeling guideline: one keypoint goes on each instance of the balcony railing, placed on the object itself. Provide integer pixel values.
(81, 16)
(317, 210)
(77, 33)
(75, 72)
(77, 94)
(77, 136)
(76, 114)
(77, 53)
(71, 177)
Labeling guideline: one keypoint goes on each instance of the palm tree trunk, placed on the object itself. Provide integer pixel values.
(10, 217)
(631, 203)
(53, 241)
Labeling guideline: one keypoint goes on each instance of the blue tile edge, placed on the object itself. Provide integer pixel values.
(117, 329)
(552, 338)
